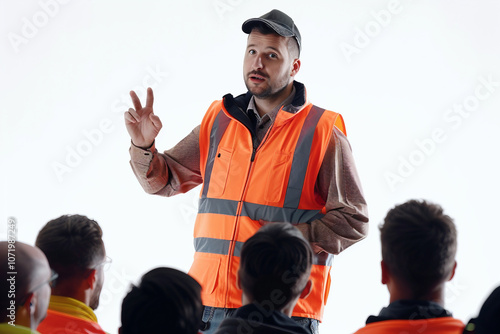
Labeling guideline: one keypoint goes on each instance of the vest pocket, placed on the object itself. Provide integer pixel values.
(220, 172)
(205, 270)
(277, 176)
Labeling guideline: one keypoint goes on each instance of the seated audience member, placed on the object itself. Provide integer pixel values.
(25, 285)
(488, 319)
(275, 265)
(166, 301)
(419, 243)
(75, 250)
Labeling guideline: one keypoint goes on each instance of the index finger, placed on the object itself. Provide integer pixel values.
(150, 99)
(135, 100)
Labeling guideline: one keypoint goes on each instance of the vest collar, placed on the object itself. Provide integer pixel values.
(236, 106)
(410, 309)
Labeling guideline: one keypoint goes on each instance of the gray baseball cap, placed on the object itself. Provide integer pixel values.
(278, 21)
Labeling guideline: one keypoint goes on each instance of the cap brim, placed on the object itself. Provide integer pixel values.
(279, 29)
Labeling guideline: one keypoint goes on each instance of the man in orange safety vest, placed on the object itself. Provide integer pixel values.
(268, 155)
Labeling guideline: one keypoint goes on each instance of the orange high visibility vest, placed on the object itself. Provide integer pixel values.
(241, 186)
(444, 325)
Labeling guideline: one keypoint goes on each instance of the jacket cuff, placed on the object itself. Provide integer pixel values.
(140, 155)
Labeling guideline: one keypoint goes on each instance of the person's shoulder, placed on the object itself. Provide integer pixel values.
(7, 328)
(442, 325)
(240, 325)
(243, 321)
(231, 326)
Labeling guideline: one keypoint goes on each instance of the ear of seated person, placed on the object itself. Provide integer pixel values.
(75, 250)
(275, 265)
(419, 244)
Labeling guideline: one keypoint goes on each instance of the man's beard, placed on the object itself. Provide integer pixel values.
(94, 300)
(267, 93)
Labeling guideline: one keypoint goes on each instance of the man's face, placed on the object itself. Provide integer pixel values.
(268, 67)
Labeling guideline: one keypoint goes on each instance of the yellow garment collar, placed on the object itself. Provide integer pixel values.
(72, 307)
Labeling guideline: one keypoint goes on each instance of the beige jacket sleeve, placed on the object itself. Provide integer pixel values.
(345, 222)
(172, 172)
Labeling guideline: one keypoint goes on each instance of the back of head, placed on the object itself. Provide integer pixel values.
(166, 301)
(275, 261)
(419, 244)
(24, 272)
(72, 244)
(19, 283)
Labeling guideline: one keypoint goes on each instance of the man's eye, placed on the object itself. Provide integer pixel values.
(252, 52)
(273, 55)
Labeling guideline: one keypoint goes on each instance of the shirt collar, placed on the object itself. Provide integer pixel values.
(272, 114)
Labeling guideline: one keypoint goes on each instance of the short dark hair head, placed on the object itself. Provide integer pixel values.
(419, 243)
(166, 301)
(275, 261)
(292, 45)
(72, 244)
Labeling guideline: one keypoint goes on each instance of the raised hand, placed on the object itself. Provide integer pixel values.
(142, 124)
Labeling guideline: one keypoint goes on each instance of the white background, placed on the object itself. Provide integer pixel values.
(68, 77)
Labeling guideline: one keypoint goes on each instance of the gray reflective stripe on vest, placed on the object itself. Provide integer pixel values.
(218, 128)
(216, 246)
(237, 248)
(301, 158)
(211, 245)
(218, 206)
(278, 214)
(322, 259)
(221, 247)
(257, 211)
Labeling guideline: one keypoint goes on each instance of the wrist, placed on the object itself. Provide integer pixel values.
(142, 147)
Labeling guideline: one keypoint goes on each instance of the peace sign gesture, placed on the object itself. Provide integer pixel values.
(142, 124)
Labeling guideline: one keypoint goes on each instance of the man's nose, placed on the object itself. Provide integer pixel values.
(257, 63)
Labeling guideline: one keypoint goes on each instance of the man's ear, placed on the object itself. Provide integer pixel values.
(92, 278)
(453, 271)
(386, 276)
(29, 304)
(307, 290)
(295, 67)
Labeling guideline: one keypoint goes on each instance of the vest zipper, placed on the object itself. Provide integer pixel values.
(261, 143)
(238, 210)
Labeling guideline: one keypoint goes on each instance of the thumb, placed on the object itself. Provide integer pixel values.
(156, 121)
